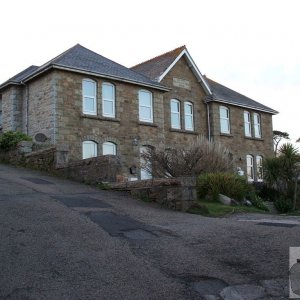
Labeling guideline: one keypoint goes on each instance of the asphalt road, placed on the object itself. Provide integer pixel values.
(65, 240)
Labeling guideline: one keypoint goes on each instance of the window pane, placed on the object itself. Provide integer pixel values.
(188, 122)
(145, 98)
(89, 104)
(224, 112)
(174, 106)
(175, 120)
(224, 125)
(250, 173)
(145, 113)
(259, 168)
(108, 91)
(109, 148)
(108, 108)
(89, 88)
(89, 149)
(188, 108)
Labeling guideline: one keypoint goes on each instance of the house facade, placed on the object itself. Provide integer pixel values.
(94, 106)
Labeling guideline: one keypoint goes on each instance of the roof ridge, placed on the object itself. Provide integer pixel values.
(58, 56)
(158, 56)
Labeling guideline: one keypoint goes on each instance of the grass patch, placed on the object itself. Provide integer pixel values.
(216, 209)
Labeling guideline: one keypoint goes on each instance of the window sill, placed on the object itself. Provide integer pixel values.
(226, 134)
(100, 118)
(147, 124)
(183, 131)
(254, 138)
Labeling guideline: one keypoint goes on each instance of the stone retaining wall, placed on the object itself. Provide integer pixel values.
(174, 193)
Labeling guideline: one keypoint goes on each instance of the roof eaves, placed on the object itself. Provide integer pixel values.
(272, 111)
(77, 70)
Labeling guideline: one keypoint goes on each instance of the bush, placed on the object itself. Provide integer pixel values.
(10, 139)
(265, 192)
(201, 156)
(256, 201)
(283, 205)
(228, 184)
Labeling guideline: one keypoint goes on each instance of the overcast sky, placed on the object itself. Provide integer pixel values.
(251, 46)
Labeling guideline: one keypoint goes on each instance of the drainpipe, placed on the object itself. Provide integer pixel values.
(208, 118)
(27, 109)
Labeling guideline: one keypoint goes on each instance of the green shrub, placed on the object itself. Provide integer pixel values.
(283, 205)
(10, 139)
(231, 185)
(256, 201)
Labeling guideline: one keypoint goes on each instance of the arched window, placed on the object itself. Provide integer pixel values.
(145, 106)
(89, 149)
(250, 168)
(247, 123)
(224, 120)
(257, 125)
(109, 148)
(108, 100)
(259, 168)
(188, 116)
(89, 99)
(175, 114)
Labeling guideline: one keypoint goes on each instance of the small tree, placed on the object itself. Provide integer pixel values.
(199, 157)
(278, 136)
(282, 172)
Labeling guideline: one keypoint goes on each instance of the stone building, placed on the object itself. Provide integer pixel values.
(94, 106)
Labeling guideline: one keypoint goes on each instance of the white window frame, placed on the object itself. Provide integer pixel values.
(247, 124)
(109, 144)
(91, 144)
(250, 167)
(188, 115)
(259, 165)
(94, 98)
(257, 125)
(150, 107)
(176, 114)
(227, 119)
(112, 101)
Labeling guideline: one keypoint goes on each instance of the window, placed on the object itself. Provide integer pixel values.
(188, 116)
(247, 123)
(224, 120)
(259, 168)
(109, 148)
(108, 100)
(250, 170)
(146, 166)
(257, 127)
(175, 114)
(89, 97)
(89, 149)
(145, 106)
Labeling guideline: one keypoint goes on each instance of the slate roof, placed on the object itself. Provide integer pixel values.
(17, 79)
(155, 67)
(224, 94)
(81, 59)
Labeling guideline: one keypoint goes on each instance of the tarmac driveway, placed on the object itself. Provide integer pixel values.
(65, 240)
